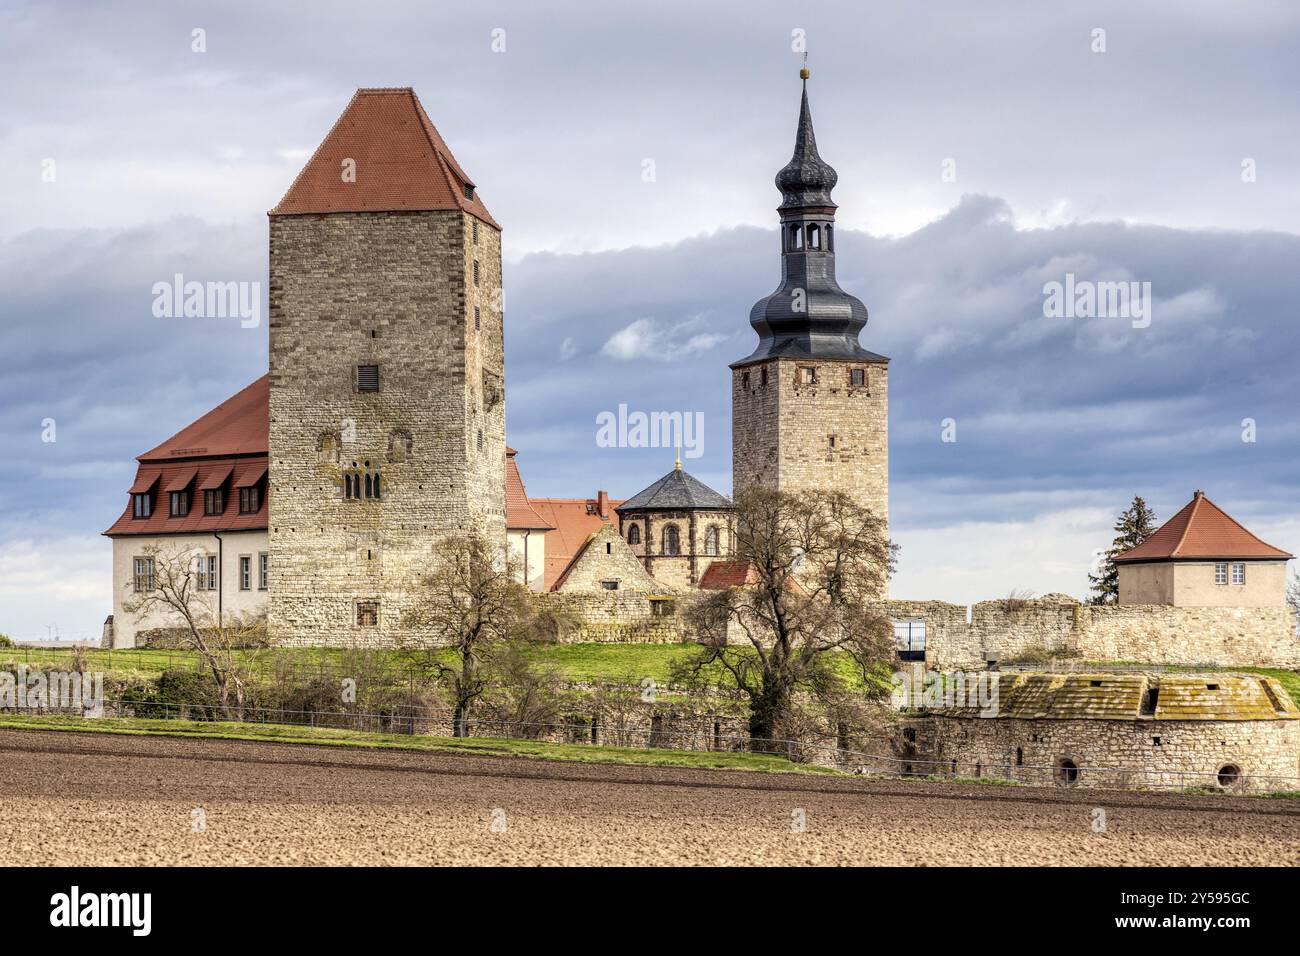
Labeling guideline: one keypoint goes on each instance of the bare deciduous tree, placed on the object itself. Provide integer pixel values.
(228, 644)
(818, 564)
(471, 602)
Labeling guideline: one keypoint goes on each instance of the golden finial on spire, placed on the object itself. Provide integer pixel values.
(678, 466)
(804, 73)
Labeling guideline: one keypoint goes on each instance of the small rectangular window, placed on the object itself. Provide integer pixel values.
(250, 500)
(214, 501)
(476, 272)
(744, 380)
(367, 614)
(858, 377)
(662, 607)
(478, 320)
(469, 194)
(263, 569)
(367, 378)
(144, 580)
(1221, 573)
(141, 505)
(808, 375)
(609, 585)
(180, 504)
(762, 376)
(1239, 574)
(245, 573)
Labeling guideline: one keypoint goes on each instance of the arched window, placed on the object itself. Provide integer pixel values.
(368, 492)
(798, 238)
(374, 486)
(814, 236)
(830, 238)
(711, 540)
(634, 534)
(672, 544)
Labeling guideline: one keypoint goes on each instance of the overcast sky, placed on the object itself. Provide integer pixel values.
(1173, 157)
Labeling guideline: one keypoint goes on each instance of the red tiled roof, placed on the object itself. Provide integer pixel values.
(573, 520)
(196, 522)
(1201, 530)
(238, 426)
(145, 478)
(721, 575)
(225, 447)
(519, 512)
(402, 163)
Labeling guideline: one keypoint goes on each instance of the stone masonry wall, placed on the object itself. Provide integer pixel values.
(395, 290)
(616, 617)
(1170, 753)
(1058, 626)
(781, 431)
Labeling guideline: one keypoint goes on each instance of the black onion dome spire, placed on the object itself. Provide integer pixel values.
(809, 316)
(807, 180)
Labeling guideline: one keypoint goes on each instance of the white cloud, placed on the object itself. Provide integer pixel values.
(648, 339)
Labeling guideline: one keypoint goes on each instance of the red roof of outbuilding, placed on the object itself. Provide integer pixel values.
(238, 426)
(573, 521)
(196, 522)
(721, 575)
(1201, 530)
(519, 512)
(227, 447)
(401, 163)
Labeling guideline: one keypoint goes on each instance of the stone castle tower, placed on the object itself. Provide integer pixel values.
(387, 401)
(810, 406)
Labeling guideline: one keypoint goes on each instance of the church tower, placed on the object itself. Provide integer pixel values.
(810, 406)
(387, 402)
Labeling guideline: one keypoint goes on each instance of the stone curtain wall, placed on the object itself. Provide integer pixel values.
(396, 290)
(616, 617)
(1056, 626)
(1190, 753)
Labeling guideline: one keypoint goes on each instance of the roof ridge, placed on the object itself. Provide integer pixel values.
(1187, 525)
(1237, 524)
(311, 160)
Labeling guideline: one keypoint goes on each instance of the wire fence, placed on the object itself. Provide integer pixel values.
(616, 731)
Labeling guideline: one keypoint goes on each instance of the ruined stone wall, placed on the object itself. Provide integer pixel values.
(394, 290)
(616, 617)
(782, 430)
(1056, 626)
(1167, 753)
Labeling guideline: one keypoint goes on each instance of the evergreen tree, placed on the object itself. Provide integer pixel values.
(1132, 527)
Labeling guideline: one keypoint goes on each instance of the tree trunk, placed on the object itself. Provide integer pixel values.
(768, 711)
(459, 718)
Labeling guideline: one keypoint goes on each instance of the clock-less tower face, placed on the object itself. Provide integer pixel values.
(810, 405)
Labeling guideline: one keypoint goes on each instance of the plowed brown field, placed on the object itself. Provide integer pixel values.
(76, 799)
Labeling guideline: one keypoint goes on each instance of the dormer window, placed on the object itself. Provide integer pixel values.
(469, 194)
(250, 500)
(141, 505)
(180, 504)
(214, 501)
